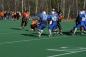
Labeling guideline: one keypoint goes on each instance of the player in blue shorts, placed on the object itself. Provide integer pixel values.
(81, 24)
(53, 23)
(42, 22)
(85, 23)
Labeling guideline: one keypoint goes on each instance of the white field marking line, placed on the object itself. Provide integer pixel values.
(55, 50)
(82, 48)
(67, 53)
(66, 49)
(8, 32)
(11, 42)
(4, 33)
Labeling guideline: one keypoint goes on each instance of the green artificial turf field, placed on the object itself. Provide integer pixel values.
(24, 43)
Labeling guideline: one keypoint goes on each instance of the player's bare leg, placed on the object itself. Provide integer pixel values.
(50, 33)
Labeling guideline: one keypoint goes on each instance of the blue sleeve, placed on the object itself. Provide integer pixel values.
(49, 17)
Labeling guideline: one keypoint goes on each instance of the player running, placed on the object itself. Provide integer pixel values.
(80, 22)
(25, 18)
(42, 22)
(53, 23)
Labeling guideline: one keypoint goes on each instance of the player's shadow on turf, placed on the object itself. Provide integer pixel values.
(16, 28)
(31, 35)
(66, 33)
(45, 34)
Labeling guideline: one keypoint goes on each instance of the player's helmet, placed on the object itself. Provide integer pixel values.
(53, 9)
(44, 12)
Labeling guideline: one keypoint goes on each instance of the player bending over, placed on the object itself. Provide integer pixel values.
(34, 24)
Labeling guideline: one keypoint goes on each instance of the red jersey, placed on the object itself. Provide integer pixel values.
(26, 14)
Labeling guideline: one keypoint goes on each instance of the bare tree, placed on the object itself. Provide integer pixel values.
(84, 4)
(36, 3)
